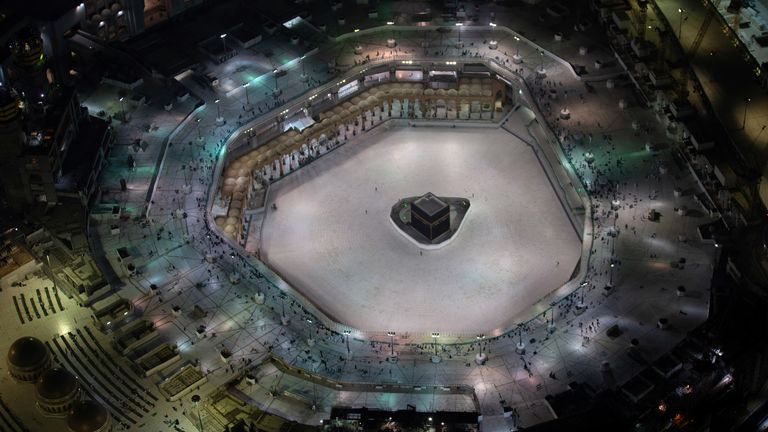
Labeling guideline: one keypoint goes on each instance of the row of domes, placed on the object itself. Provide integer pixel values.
(28, 353)
(57, 389)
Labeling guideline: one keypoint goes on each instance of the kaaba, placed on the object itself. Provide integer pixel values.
(430, 216)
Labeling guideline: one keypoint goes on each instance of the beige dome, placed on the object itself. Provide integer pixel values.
(87, 416)
(56, 383)
(27, 352)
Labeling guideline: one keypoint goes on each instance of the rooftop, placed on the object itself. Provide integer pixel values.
(430, 204)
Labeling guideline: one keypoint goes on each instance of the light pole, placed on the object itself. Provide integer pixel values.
(458, 44)
(196, 401)
(744, 118)
(436, 357)
(346, 337)
(283, 317)
(551, 324)
(480, 357)
(541, 67)
(680, 25)
(392, 356)
(520, 348)
(122, 106)
(248, 106)
(516, 58)
(50, 269)
(219, 118)
(223, 37)
(310, 339)
(199, 135)
(276, 92)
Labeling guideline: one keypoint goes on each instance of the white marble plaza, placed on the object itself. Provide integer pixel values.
(331, 237)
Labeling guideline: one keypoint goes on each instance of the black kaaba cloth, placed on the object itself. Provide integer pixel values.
(430, 216)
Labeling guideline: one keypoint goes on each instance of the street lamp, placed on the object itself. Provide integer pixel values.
(551, 323)
(223, 37)
(196, 401)
(480, 357)
(276, 92)
(283, 317)
(219, 118)
(493, 44)
(436, 357)
(248, 106)
(310, 339)
(391, 335)
(541, 67)
(680, 25)
(346, 337)
(516, 58)
(520, 348)
(50, 269)
(744, 119)
(459, 25)
(199, 136)
(122, 106)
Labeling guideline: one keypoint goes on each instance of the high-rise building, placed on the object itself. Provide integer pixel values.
(40, 116)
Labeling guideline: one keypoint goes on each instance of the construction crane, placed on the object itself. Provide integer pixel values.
(711, 10)
(710, 14)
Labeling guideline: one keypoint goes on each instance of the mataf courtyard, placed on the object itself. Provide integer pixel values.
(330, 236)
